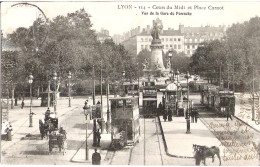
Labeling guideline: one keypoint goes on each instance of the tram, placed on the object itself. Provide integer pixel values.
(220, 101)
(125, 121)
(149, 99)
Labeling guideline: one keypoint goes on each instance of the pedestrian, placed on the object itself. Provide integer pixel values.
(96, 158)
(15, 101)
(196, 114)
(22, 104)
(228, 114)
(170, 115)
(98, 135)
(165, 115)
(192, 114)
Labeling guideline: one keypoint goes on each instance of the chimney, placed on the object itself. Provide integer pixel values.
(181, 28)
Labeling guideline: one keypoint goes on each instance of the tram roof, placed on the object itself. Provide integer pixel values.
(123, 98)
(150, 99)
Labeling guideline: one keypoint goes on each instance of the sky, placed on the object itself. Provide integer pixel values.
(111, 16)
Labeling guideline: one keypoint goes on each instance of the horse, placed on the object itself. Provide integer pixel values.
(202, 152)
(42, 129)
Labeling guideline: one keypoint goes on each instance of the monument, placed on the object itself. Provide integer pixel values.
(156, 67)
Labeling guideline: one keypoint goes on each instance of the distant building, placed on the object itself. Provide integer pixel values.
(171, 40)
(103, 35)
(185, 39)
(194, 36)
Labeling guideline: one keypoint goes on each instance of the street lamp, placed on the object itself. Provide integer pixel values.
(187, 76)
(123, 74)
(86, 108)
(54, 78)
(93, 110)
(31, 113)
(69, 76)
(195, 79)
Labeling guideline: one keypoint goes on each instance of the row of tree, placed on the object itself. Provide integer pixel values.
(235, 60)
(66, 43)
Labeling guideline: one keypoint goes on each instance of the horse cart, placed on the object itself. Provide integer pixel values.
(57, 140)
(50, 124)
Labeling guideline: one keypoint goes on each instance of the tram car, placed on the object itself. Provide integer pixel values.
(220, 101)
(124, 121)
(130, 89)
(149, 99)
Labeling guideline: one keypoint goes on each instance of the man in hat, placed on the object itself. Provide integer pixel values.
(96, 158)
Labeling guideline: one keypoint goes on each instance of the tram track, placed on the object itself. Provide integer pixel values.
(113, 156)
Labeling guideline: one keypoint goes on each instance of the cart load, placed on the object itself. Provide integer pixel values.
(57, 140)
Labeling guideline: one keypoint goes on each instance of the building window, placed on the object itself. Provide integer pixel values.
(146, 39)
(162, 39)
(179, 39)
(193, 46)
(170, 46)
(142, 39)
(174, 39)
(150, 39)
(166, 39)
(188, 52)
(142, 46)
(188, 46)
(166, 46)
(146, 46)
(170, 39)
(175, 46)
(179, 46)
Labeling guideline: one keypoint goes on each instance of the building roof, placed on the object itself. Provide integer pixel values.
(203, 29)
(164, 33)
(101, 35)
(8, 45)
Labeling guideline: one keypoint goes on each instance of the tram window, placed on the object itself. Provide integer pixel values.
(128, 103)
(120, 104)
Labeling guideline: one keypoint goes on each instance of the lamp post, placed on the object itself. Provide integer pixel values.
(195, 79)
(54, 78)
(108, 114)
(94, 103)
(87, 121)
(31, 113)
(187, 76)
(101, 98)
(69, 76)
(177, 85)
(123, 74)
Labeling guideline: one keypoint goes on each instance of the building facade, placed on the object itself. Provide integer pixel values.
(185, 39)
(171, 40)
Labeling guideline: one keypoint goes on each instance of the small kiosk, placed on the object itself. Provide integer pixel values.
(124, 121)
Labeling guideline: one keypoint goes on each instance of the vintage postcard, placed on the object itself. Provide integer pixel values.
(130, 83)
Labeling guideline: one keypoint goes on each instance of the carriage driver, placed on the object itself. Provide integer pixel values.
(47, 114)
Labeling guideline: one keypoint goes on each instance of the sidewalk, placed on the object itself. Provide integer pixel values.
(243, 109)
(180, 144)
(19, 119)
(80, 156)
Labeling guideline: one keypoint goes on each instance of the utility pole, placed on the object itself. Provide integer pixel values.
(94, 103)
(101, 92)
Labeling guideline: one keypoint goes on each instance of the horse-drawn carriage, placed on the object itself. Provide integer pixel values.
(50, 124)
(57, 140)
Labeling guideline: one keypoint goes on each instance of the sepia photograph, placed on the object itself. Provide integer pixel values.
(157, 83)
